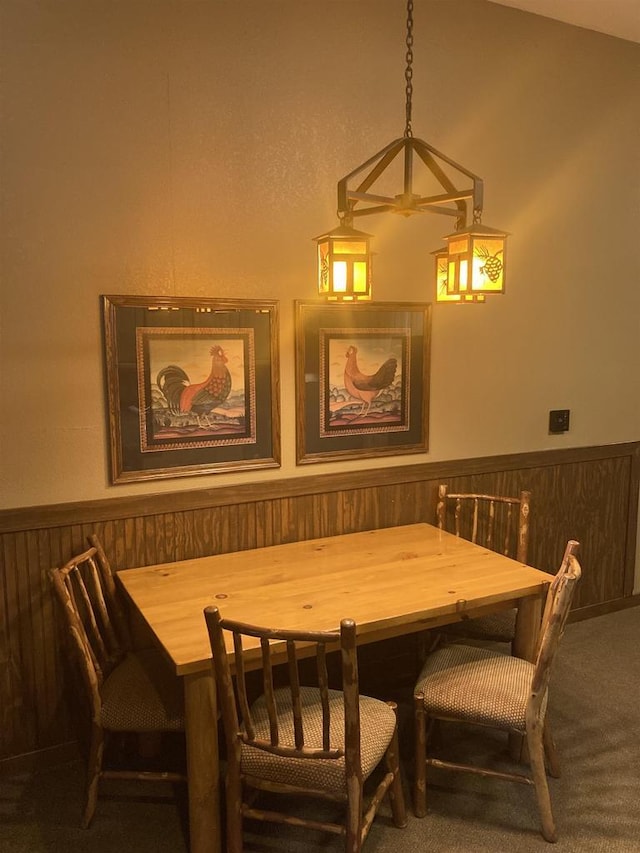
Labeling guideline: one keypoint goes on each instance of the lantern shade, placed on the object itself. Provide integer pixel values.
(344, 264)
(475, 263)
(443, 294)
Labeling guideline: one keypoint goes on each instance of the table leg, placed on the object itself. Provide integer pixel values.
(202, 763)
(524, 646)
(527, 627)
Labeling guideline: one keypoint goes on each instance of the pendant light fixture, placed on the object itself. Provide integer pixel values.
(344, 264)
(471, 265)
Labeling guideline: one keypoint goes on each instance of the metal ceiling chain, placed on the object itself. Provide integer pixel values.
(408, 74)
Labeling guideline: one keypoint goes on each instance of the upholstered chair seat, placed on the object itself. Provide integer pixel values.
(477, 685)
(377, 725)
(139, 695)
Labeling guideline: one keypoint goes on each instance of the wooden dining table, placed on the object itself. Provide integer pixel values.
(391, 581)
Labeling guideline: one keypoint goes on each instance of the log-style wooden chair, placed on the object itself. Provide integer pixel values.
(301, 740)
(496, 522)
(470, 684)
(126, 691)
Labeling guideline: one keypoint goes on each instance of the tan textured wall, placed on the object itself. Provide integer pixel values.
(187, 148)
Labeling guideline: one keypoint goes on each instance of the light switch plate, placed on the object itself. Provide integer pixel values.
(559, 420)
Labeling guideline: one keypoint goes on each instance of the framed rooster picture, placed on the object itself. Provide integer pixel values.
(191, 385)
(362, 379)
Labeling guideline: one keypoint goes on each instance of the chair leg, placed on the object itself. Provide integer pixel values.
(536, 756)
(233, 792)
(353, 834)
(427, 642)
(396, 795)
(94, 769)
(420, 769)
(553, 761)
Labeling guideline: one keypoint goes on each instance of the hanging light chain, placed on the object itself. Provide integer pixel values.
(408, 74)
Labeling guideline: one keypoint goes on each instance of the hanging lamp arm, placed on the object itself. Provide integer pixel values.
(428, 154)
(406, 202)
(381, 160)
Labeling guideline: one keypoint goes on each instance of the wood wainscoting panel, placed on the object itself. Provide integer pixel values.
(589, 494)
(588, 501)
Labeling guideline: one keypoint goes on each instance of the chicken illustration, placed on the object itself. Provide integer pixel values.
(367, 387)
(202, 397)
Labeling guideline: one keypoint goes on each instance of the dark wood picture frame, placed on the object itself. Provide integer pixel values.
(362, 379)
(192, 386)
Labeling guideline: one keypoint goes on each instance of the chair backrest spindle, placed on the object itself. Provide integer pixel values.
(241, 682)
(121, 626)
(294, 682)
(323, 686)
(490, 523)
(267, 685)
(474, 534)
(85, 611)
(101, 612)
(488, 520)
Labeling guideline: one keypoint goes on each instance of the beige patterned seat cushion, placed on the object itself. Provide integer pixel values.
(499, 627)
(142, 695)
(377, 724)
(475, 684)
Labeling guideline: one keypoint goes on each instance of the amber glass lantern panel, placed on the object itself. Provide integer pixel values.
(446, 273)
(487, 265)
(442, 278)
(344, 265)
(476, 262)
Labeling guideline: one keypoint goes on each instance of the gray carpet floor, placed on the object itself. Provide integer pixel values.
(595, 709)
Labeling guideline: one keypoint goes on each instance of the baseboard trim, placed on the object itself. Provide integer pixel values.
(604, 607)
(41, 759)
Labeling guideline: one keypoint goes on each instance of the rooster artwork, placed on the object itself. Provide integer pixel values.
(184, 406)
(366, 387)
(368, 394)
